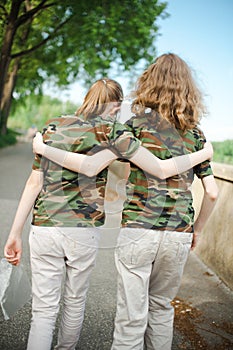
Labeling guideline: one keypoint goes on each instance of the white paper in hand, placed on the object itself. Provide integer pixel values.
(15, 288)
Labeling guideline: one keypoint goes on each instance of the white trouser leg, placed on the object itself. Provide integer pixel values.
(133, 258)
(47, 265)
(138, 263)
(54, 251)
(80, 261)
(165, 281)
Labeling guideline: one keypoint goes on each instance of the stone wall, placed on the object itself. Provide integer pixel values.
(215, 247)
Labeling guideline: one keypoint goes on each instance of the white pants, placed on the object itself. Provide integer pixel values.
(57, 255)
(150, 266)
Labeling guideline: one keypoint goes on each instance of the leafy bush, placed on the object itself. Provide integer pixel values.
(9, 138)
(37, 110)
(223, 151)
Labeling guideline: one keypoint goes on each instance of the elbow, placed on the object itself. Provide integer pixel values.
(210, 188)
(86, 169)
(162, 175)
(90, 171)
(35, 188)
(213, 194)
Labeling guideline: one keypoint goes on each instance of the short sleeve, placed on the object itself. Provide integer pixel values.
(123, 140)
(37, 164)
(39, 161)
(203, 169)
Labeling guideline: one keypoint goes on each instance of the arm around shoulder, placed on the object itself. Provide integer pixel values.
(89, 165)
(165, 168)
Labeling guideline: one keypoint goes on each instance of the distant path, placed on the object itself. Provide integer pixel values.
(15, 166)
(204, 317)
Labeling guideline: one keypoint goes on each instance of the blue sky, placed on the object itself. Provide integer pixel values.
(201, 32)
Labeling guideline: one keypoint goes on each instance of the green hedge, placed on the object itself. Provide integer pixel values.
(223, 151)
(9, 138)
(37, 110)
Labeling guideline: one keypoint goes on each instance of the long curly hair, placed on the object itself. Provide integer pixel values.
(168, 87)
(102, 92)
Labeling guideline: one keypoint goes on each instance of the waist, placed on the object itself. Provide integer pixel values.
(80, 234)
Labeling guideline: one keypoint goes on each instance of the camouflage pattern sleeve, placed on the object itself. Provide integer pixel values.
(123, 140)
(39, 161)
(203, 169)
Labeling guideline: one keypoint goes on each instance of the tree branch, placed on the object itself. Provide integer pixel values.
(5, 13)
(43, 42)
(22, 19)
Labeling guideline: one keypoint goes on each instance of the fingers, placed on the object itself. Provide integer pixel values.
(37, 138)
(36, 142)
(13, 257)
(114, 110)
(193, 246)
(38, 134)
(13, 260)
(195, 240)
(208, 144)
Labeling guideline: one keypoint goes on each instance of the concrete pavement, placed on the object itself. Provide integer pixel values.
(203, 307)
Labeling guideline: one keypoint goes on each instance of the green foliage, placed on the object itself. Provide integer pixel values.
(63, 41)
(223, 152)
(9, 138)
(37, 111)
(95, 35)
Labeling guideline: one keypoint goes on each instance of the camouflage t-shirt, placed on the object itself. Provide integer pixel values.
(68, 198)
(162, 204)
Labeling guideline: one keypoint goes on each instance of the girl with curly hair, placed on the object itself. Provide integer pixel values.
(158, 227)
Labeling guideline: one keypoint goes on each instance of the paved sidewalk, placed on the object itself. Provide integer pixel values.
(204, 310)
(204, 305)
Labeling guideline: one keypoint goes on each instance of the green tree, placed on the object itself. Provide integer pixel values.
(62, 40)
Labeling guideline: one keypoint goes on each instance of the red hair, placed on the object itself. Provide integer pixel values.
(168, 87)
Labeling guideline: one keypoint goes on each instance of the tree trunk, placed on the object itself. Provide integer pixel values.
(6, 101)
(8, 78)
(5, 59)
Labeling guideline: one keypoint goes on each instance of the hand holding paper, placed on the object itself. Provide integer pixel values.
(13, 250)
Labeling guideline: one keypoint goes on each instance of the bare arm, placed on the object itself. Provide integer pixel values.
(143, 158)
(207, 206)
(80, 163)
(163, 169)
(13, 246)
